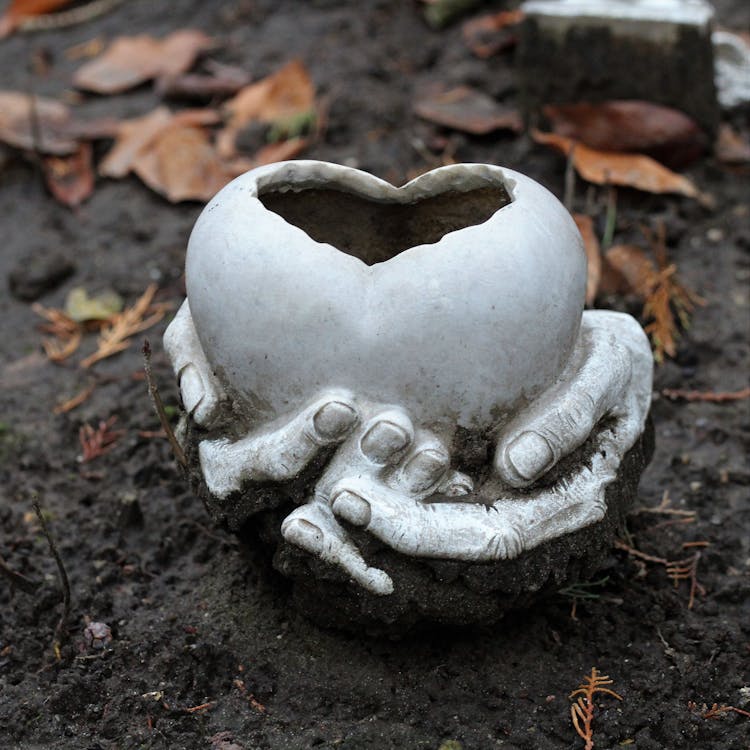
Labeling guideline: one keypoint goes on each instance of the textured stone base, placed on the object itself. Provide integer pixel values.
(425, 590)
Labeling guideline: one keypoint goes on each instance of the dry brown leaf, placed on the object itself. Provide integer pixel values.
(222, 81)
(280, 151)
(487, 35)
(131, 61)
(666, 302)
(593, 255)
(468, 110)
(632, 270)
(35, 123)
(614, 168)
(20, 10)
(731, 147)
(181, 164)
(70, 179)
(136, 135)
(286, 93)
(666, 134)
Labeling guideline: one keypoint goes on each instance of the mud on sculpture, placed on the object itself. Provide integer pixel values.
(398, 388)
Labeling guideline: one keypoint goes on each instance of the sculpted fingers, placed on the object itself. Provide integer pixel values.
(312, 527)
(278, 454)
(426, 463)
(462, 531)
(200, 390)
(559, 421)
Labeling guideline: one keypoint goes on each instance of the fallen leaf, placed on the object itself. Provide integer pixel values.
(593, 255)
(182, 164)
(223, 81)
(666, 302)
(70, 179)
(117, 333)
(731, 147)
(19, 10)
(36, 123)
(131, 61)
(615, 168)
(487, 35)
(280, 151)
(80, 307)
(468, 110)
(135, 135)
(631, 271)
(286, 93)
(666, 134)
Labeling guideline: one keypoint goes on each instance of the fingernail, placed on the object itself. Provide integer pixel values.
(382, 440)
(191, 388)
(530, 455)
(333, 420)
(424, 469)
(352, 507)
(304, 534)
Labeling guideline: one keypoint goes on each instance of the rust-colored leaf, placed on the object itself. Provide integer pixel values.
(181, 164)
(136, 135)
(468, 110)
(731, 147)
(631, 125)
(131, 61)
(70, 179)
(667, 304)
(19, 10)
(36, 123)
(487, 35)
(631, 270)
(593, 255)
(615, 168)
(286, 93)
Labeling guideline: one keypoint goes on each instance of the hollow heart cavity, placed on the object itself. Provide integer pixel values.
(378, 231)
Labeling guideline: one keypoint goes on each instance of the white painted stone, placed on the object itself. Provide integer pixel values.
(482, 328)
(434, 329)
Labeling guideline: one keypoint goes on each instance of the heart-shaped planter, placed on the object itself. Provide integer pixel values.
(457, 296)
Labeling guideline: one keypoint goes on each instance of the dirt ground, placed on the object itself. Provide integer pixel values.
(193, 621)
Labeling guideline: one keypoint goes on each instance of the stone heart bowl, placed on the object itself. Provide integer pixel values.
(457, 296)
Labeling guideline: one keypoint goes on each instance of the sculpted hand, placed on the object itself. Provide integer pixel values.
(609, 376)
(385, 466)
(201, 391)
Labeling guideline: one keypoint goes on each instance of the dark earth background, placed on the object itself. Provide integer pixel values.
(190, 615)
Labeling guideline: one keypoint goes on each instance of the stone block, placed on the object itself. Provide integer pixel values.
(599, 50)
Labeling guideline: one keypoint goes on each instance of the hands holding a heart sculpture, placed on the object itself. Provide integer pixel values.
(393, 478)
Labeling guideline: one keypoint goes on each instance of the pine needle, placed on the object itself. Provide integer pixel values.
(118, 331)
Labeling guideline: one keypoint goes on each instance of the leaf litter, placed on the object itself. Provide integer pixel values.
(620, 168)
(630, 125)
(468, 110)
(667, 303)
(132, 60)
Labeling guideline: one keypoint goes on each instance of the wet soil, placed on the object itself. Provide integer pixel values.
(205, 647)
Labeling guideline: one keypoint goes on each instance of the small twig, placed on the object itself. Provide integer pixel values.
(64, 582)
(153, 391)
(582, 711)
(19, 581)
(677, 394)
(715, 711)
(611, 221)
(65, 18)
